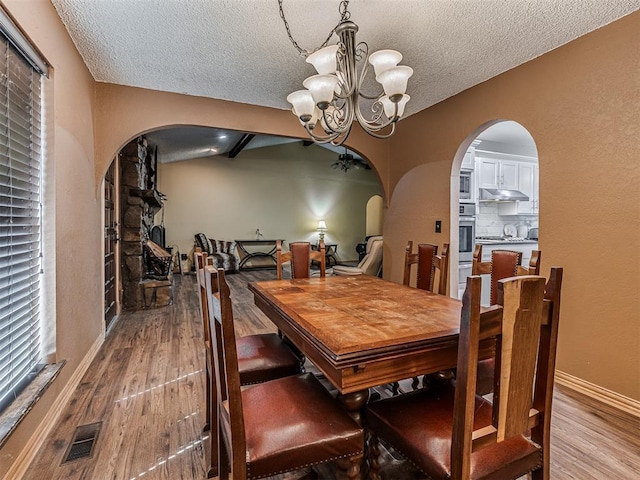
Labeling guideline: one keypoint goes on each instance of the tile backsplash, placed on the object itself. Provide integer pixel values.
(489, 223)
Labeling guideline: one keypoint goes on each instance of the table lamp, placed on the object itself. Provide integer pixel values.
(322, 227)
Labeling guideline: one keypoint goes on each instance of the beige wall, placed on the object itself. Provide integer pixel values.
(581, 104)
(283, 190)
(77, 212)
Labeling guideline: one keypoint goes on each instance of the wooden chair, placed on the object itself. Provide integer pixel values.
(277, 426)
(452, 433)
(428, 262)
(503, 264)
(261, 357)
(199, 261)
(300, 256)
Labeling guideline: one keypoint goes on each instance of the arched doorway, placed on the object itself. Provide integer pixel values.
(494, 200)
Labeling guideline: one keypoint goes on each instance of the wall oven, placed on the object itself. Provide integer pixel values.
(466, 232)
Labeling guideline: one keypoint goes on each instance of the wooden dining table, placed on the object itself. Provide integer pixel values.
(362, 331)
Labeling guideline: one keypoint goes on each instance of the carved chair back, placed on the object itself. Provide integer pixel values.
(525, 331)
(503, 264)
(428, 262)
(300, 255)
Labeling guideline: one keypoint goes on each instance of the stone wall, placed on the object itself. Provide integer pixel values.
(139, 202)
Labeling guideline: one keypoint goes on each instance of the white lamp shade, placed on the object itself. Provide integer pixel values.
(322, 226)
(321, 87)
(383, 60)
(324, 60)
(394, 80)
(302, 102)
(389, 106)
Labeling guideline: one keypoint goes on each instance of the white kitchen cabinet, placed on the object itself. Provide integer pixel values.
(494, 173)
(527, 184)
(468, 161)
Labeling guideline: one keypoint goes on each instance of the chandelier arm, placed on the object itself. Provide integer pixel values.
(342, 137)
(320, 138)
(363, 74)
(340, 125)
(379, 135)
(371, 125)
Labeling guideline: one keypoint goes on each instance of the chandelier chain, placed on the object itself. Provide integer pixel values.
(344, 15)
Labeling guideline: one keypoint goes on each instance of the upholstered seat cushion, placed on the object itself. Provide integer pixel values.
(293, 422)
(265, 357)
(420, 423)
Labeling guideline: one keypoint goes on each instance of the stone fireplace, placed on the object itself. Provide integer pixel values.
(147, 278)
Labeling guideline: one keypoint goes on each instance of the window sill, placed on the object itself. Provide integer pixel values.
(21, 406)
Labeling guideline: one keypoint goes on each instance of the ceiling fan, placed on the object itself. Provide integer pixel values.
(346, 161)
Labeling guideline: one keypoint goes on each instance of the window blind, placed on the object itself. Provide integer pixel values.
(20, 220)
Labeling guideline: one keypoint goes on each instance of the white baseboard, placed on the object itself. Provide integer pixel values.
(608, 397)
(28, 453)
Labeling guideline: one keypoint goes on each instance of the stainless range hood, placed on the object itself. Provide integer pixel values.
(500, 195)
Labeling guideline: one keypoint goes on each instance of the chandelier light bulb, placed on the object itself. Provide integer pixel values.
(325, 60)
(394, 81)
(390, 107)
(321, 88)
(303, 104)
(383, 60)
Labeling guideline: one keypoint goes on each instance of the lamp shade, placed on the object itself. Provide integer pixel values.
(389, 106)
(322, 226)
(321, 88)
(325, 60)
(394, 80)
(383, 60)
(302, 102)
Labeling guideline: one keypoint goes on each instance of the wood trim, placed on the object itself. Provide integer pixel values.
(31, 448)
(608, 397)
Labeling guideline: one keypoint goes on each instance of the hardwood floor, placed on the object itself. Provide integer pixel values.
(146, 386)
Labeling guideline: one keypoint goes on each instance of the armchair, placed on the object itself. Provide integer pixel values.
(371, 264)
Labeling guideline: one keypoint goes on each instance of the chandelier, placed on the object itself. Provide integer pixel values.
(333, 98)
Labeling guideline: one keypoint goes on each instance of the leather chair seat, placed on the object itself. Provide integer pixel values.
(294, 422)
(420, 425)
(265, 357)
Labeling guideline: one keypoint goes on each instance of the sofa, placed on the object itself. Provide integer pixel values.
(222, 252)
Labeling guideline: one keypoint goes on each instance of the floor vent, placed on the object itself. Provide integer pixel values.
(83, 442)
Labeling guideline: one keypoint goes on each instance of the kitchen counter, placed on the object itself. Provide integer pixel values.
(505, 242)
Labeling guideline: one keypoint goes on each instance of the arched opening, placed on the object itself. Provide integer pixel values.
(234, 185)
(494, 197)
(374, 216)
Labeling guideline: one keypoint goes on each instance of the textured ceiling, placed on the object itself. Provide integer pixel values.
(238, 49)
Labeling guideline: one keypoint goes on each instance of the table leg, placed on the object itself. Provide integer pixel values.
(354, 404)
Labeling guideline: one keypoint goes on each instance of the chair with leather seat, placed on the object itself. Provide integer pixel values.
(199, 261)
(371, 264)
(300, 256)
(261, 357)
(453, 433)
(503, 264)
(428, 262)
(276, 426)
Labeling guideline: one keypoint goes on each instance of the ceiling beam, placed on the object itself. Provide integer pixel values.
(237, 148)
